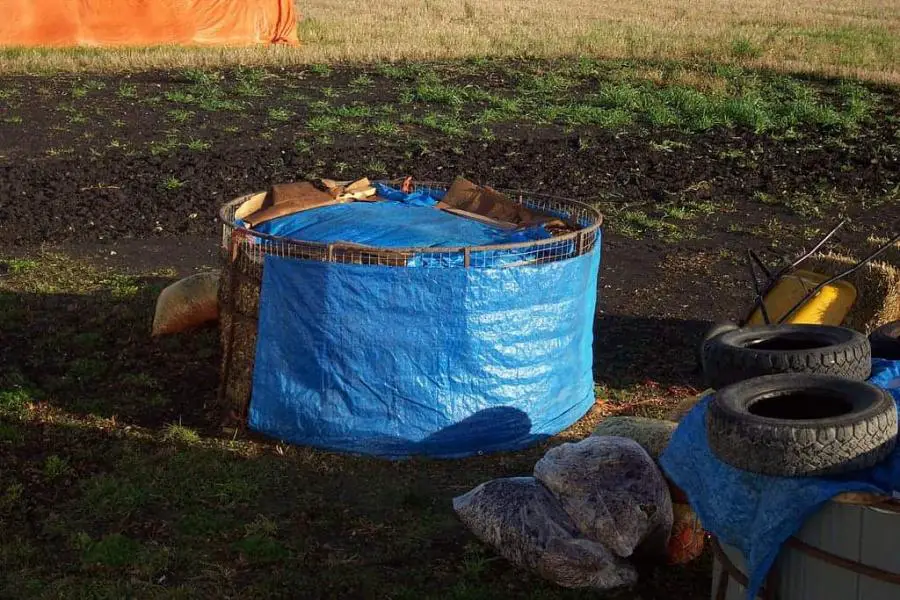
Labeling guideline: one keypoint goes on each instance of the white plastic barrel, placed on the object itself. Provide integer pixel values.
(867, 535)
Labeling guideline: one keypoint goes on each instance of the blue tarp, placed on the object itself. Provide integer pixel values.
(447, 362)
(757, 513)
(401, 221)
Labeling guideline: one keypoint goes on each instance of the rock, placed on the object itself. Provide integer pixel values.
(652, 434)
(685, 406)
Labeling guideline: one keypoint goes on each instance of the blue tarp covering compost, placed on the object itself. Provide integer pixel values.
(449, 362)
(400, 221)
(757, 513)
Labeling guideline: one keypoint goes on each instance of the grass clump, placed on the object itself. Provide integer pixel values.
(178, 433)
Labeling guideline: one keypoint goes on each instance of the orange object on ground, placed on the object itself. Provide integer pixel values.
(147, 22)
(688, 538)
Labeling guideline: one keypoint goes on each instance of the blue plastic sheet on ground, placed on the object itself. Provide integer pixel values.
(757, 513)
(447, 362)
(400, 221)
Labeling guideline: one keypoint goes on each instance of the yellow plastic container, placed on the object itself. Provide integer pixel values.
(828, 307)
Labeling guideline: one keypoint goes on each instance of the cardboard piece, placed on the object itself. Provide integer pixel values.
(253, 203)
(467, 196)
(476, 217)
(467, 199)
(289, 198)
(361, 190)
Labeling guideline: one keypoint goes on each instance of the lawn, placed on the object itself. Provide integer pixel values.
(116, 478)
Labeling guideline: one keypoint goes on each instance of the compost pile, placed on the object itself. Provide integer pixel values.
(361, 212)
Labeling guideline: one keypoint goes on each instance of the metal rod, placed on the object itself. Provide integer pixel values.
(759, 302)
(774, 279)
(815, 249)
(761, 264)
(849, 271)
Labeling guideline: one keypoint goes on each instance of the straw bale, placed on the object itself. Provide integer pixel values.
(877, 285)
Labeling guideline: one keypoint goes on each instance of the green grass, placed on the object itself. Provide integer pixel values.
(385, 128)
(196, 145)
(442, 98)
(581, 93)
(362, 81)
(19, 266)
(280, 115)
(136, 499)
(638, 224)
(181, 115)
(449, 125)
(249, 82)
(171, 183)
(320, 70)
(14, 401)
(127, 91)
(323, 123)
(744, 48)
(180, 434)
(55, 467)
(114, 550)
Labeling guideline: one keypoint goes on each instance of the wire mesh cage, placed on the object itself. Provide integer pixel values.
(243, 253)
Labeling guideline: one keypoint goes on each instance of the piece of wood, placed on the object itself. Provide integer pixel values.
(359, 195)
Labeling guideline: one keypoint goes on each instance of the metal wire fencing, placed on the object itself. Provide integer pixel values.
(246, 249)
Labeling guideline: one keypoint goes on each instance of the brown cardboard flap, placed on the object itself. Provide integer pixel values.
(252, 204)
(476, 217)
(465, 195)
(288, 198)
(361, 188)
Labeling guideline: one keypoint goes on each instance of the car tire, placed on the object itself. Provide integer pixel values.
(716, 330)
(885, 341)
(750, 352)
(792, 425)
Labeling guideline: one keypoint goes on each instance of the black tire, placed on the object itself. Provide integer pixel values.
(801, 425)
(765, 350)
(885, 341)
(716, 330)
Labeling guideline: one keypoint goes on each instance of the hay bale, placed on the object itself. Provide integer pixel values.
(239, 313)
(890, 256)
(237, 369)
(877, 285)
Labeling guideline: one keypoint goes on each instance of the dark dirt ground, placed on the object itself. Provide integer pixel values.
(114, 479)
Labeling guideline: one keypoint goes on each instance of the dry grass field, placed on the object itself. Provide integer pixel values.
(854, 38)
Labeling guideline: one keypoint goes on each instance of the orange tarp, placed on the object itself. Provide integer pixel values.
(146, 22)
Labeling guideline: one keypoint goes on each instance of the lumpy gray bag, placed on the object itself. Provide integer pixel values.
(613, 492)
(522, 520)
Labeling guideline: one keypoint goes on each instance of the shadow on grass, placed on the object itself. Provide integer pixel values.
(631, 351)
(110, 487)
(92, 354)
(95, 510)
